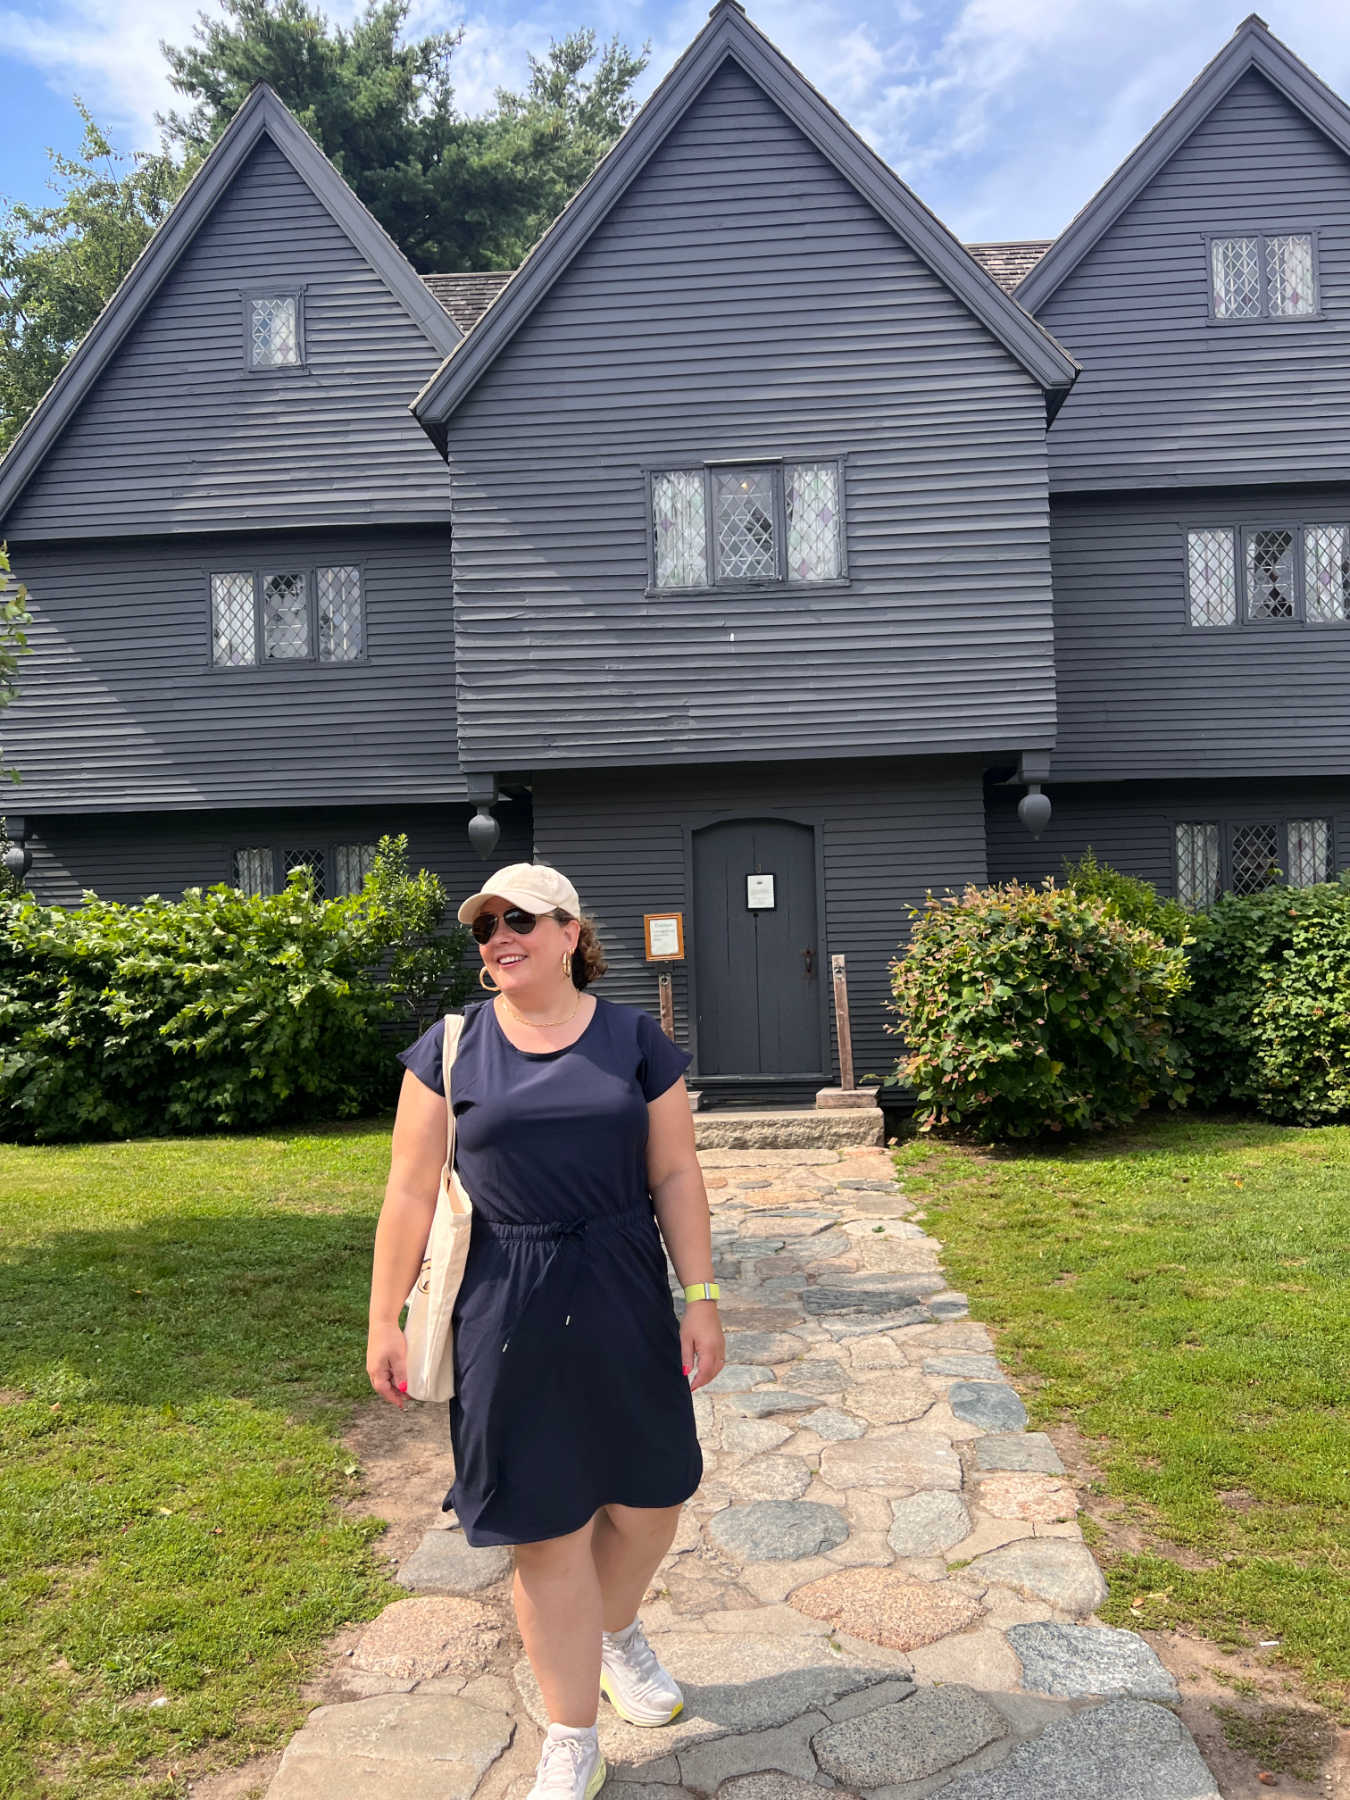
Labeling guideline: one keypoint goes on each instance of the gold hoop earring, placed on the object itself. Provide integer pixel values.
(489, 985)
(567, 964)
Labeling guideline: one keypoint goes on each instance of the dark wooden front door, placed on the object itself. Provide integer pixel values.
(757, 968)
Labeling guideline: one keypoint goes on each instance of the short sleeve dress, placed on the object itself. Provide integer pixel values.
(568, 1387)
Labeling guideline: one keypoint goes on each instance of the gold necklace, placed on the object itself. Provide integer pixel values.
(541, 1025)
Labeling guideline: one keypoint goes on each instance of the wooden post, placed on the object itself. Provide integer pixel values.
(843, 1030)
(667, 1005)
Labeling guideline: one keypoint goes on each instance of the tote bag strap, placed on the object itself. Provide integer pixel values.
(454, 1025)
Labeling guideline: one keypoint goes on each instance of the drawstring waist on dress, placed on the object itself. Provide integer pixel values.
(545, 1308)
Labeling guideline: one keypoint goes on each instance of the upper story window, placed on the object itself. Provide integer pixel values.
(287, 614)
(338, 870)
(1242, 857)
(747, 524)
(273, 326)
(1269, 574)
(1260, 277)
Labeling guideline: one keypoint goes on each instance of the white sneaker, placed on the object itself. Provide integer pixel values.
(571, 1766)
(632, 1680)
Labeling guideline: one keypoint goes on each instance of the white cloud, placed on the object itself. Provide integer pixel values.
(1004, 115)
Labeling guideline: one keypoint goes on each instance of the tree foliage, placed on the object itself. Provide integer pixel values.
(453, 192)
(60, 263)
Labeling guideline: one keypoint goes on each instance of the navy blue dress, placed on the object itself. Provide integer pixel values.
(568, 1387)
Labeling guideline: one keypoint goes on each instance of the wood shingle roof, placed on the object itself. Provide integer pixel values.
(466, 296)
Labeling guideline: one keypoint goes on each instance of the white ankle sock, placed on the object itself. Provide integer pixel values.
(555, 1730)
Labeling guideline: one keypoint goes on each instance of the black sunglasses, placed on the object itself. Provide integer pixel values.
(517, 920)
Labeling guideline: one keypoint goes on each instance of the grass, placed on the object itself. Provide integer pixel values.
(1180, 1294)
(182, 1338)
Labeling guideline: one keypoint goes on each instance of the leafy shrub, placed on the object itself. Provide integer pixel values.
(1031, 1010)
(220, 1010)
(1267, 1020)
(1136, 901)
(424, 965)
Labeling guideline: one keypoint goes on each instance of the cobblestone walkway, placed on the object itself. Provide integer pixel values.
(880, 1587)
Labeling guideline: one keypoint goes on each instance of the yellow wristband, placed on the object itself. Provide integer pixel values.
(703, 1290)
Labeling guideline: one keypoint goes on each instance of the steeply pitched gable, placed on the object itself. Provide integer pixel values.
(1251, 47)
(278, 209)
(729, 36)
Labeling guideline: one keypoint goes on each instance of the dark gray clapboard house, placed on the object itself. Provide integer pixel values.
(236, 542)
(758, 479)
(1200, 494)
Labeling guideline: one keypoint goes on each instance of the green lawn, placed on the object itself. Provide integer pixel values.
(182, 1337)
(1181, 1293)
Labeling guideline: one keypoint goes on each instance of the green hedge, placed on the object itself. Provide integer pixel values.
(1267, 1020)
(218, 1011)
(1027, 1011)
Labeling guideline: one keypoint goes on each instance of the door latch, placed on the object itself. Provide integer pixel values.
(809, 958)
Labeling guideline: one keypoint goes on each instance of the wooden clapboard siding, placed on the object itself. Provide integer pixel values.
(125, 857)
(1131, 824)
(177, 434)
(119, 706)
(1169, 397)
(742, 299)
(1142, 693)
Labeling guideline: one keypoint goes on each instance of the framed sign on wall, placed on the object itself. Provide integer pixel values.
(665, 936)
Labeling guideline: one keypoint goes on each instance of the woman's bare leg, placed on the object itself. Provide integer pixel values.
(627, 1549)
(556, 1591)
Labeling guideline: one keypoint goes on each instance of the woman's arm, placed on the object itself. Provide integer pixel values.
(680, 1202)
(417, 1155)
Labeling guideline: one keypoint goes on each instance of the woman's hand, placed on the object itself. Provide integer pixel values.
(701, 1341)
(387, 1363)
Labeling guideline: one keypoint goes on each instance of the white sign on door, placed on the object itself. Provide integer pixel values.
(759, 892)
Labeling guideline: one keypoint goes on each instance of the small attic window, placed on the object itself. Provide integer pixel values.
(273, 327)
(1264, 276)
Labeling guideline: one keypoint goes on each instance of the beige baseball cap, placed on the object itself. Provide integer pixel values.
(533, 886)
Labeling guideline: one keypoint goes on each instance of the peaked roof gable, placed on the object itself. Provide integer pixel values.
(1251, 47)
(261, 115)
(729, 34)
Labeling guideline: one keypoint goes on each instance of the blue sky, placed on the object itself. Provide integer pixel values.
(1003, 115)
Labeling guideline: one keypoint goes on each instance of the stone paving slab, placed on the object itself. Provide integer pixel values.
(880, 1588)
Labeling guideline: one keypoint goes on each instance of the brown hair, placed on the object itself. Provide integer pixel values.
(588, 959)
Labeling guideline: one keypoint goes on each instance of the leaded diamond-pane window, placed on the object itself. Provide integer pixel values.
(770, 522)
(234, 638)
(679, 529)
(253, 871)
(1213, 577)
(285, 617)
(351, 864)
(1326, 573)
(341, 632)
(1270, 574)
(744, 515)
(1309, 852)
(1255, 857)
(273, 332)
(1197, 865)
(1236, 268)
(305, 859)
(813, 547)
(1289, 277)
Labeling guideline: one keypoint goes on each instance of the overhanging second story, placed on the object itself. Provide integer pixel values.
(785, 493)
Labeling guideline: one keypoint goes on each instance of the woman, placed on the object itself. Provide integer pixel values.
(572, 1422)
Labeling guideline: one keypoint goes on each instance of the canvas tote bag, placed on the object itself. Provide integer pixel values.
(431, 1373)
